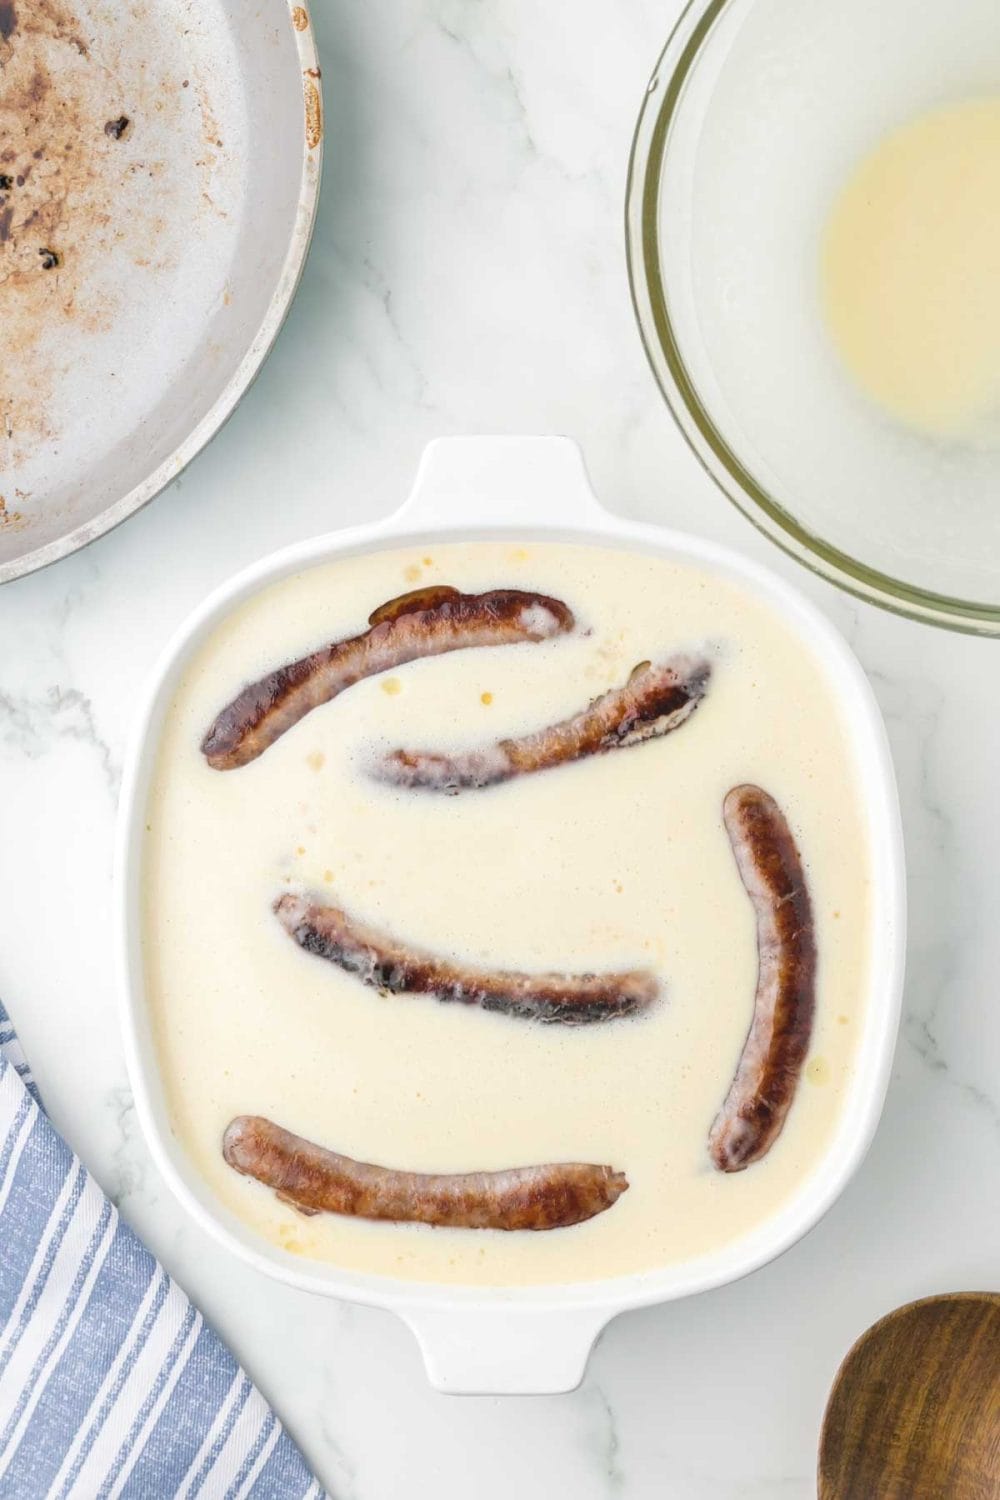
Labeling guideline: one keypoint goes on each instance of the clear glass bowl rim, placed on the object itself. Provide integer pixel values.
(647, 160)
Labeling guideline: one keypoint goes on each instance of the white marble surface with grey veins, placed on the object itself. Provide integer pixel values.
(468, 275)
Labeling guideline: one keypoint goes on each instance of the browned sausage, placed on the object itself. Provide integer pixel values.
(655, 700)
(319, 1181)
(386, 964)
(427, 622)
(762, 1091)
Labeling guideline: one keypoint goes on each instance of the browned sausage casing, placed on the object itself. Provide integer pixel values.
(427, 622)
(386, 964)
(762, 1091)
(316, 1180)
(655, 700)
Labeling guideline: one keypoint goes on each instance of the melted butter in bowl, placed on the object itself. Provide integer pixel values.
(911, 272)
(615, 862)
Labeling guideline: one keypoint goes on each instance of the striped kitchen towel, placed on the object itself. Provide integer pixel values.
(111, 1383)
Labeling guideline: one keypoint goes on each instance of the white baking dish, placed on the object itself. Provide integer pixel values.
(531, 1339)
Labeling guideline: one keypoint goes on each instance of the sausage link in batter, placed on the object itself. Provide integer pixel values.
(427, 622)
(655, 700)
(316, 1180)
(387, 964)
(763, 1088)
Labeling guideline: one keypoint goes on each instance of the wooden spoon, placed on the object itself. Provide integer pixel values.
(914, 1413)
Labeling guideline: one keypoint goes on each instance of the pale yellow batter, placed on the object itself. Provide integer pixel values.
(614, 862)
(911, 271)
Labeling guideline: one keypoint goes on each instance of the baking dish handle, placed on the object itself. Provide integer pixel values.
(507, 483)
(506, 1350)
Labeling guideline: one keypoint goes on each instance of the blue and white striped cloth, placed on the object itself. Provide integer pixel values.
(111, 1383)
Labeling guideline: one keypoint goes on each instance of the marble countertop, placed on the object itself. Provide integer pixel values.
(468, 275)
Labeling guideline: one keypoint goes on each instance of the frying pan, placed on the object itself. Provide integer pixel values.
(159, 169)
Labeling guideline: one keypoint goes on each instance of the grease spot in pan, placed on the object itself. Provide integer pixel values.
(314, 115)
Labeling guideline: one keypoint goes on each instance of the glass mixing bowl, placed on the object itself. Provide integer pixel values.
(754, 118)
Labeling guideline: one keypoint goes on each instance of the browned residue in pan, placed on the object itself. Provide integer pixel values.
(48, 205)
(10, 520)
(300, 18)
(314, 113)
(70, 230)
(47, 183)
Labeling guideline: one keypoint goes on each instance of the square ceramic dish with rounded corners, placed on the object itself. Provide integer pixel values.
(524, 1340)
